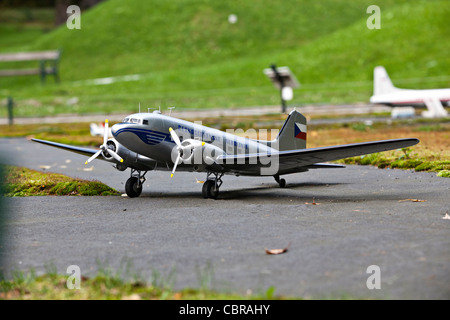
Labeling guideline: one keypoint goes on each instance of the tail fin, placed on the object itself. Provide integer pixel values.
(381, 82)
(292, 135)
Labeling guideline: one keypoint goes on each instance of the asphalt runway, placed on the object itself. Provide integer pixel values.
(363, 216)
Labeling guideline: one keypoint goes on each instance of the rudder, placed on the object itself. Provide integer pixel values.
(293, 135)
(381, 82)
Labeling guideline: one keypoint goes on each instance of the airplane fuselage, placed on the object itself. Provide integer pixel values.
(148, 134)
(407, 97)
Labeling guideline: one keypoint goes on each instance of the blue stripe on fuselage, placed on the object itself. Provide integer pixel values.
(152, 137)
(147, 136)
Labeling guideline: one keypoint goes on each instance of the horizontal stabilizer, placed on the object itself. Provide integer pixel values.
(325, 166)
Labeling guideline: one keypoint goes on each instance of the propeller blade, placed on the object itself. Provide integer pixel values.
(105, 133)
(190, 146)
(175, 165)
(175, 137)
(114, 155)
(93, 157)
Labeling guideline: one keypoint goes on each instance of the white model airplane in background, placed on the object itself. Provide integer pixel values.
(386, 93)
(153, 141)
(98, 130)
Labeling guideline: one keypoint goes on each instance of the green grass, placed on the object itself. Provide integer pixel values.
(23, 182)
(189, 56)
(107, 285)
(20, 27)
(444, 173)
(383, 160)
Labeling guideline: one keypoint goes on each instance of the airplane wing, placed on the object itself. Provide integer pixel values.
(298, 160)
(83, 151)
(133, 160)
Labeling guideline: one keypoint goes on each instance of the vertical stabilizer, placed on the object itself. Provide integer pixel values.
(293, 133)
(381, 82)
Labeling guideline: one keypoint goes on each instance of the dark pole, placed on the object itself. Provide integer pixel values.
(281, 81)
(10, 105)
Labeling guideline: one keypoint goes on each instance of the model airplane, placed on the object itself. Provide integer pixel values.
(386, 93)
(153, 141)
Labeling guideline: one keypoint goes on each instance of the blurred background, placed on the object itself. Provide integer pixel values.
(211, 54)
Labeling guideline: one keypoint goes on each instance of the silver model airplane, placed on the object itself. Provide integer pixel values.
(153, 141)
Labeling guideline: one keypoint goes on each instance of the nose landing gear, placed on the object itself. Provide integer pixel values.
(133, 186)
(211, 186)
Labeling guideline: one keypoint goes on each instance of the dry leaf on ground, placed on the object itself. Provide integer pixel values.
(277, 251)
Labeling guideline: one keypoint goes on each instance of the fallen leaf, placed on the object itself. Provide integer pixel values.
(199, 181)
(277, 251)
(314, 203)
(412, 200)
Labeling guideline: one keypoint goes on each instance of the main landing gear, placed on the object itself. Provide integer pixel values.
(211, 186)
(133, 186)
(281, 182)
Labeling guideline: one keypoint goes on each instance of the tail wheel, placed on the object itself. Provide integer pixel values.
(281, 182)
(210, 190)
(133, 187)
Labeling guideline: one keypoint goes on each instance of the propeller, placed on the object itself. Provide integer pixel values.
(104, 147)
(181, 149)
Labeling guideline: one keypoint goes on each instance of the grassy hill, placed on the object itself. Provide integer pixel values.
(188, 55)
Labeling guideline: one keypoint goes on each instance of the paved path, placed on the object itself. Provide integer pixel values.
(362, 218)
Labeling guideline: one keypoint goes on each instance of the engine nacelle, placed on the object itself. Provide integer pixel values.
(130, 158)
(199, 154)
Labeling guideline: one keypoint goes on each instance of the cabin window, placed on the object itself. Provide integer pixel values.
(134, 120)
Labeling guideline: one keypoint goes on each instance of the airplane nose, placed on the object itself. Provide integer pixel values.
(115, 130)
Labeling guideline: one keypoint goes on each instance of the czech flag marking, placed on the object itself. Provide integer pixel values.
(300, 131)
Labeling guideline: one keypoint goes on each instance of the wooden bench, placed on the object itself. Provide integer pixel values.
(48, 63)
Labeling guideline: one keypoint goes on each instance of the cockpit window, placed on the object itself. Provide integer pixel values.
(132, 120)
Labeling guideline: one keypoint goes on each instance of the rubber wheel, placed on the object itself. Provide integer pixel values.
(132, 189)
(209, 190)
(282, 183)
